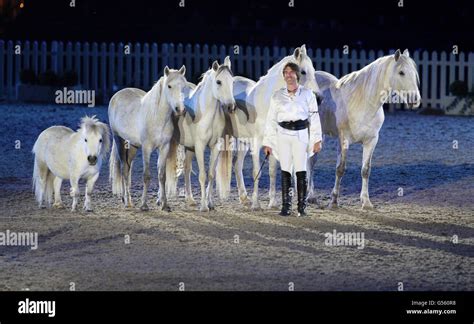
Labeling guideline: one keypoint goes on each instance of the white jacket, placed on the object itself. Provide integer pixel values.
(283, 107)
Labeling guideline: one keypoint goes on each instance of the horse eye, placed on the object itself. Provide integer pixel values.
(100, 140)
(303, 72)
(218, 82)
(401, 73)
(169, 87)
(85, 139)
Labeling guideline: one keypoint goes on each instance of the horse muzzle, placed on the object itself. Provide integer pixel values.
(92, 159)
(231, 107)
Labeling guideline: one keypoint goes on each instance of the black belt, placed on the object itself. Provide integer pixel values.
(295, 125)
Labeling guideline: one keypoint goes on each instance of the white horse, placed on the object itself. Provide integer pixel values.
(140, 119)
(61, 153)
(204, 125)
(352, 111)
(249, 120)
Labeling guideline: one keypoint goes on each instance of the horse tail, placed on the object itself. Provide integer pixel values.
(172, 169)
(43, 182)
(115, 174)
(224, 163)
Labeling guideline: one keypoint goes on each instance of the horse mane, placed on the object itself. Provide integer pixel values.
(203, 77)
(369, 81)
(277, 68)
(154, 96)
(92, 124)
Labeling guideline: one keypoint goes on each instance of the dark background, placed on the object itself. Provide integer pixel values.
(433, 25)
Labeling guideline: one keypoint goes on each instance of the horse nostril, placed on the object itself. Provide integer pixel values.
(92, 159)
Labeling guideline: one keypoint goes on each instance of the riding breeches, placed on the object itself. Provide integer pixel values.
(292, 149)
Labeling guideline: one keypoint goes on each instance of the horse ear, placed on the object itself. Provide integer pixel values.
(167, 70)
(303, 49)
(297, 53)
(182, 70)
(227, 61)
(406, 53)
(215, 65)
(397, 55)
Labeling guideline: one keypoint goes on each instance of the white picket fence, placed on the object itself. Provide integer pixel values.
(107, 68)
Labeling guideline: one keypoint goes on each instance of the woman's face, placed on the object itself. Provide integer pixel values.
(290, 76)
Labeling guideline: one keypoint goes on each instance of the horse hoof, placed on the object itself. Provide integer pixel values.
(212, 208)
(256, 208)
(272, 204)
(144, 208)
(166, 208)
(89, 210)
(204, 209)
(190, 202)
(313, 200)
(333, 205)
(367, 206)
(58, 205)
(158, 202)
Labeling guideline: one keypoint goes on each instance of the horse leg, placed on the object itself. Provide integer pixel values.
(272, 163)
(127, 165)
(58, 203)
(199, 150)
(342, 148)
(312, 198)
(146, 175)
(238, 167)
(89, 187)
(256, 167)
(124, 150)
(212, 175)
(163, 155)
(74, 192)
(188, 163)
(368, 150)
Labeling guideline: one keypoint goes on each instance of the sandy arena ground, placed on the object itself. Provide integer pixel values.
(408, 238)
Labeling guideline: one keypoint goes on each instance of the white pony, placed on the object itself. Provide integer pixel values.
(140, 119)
(351, 110)
(61, 153)
(248, 122)
(204, 125)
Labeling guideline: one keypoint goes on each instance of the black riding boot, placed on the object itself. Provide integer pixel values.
(285, 193)
(301, 187)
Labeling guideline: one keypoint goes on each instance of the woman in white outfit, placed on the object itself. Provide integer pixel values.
(293, 134)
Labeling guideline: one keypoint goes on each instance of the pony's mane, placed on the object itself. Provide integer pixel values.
(370, 80)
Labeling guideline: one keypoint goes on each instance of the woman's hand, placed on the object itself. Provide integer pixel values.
(267, 150)
(317, 147)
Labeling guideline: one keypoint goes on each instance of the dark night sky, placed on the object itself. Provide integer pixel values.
(436, 25)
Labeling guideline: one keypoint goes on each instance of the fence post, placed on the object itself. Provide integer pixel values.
(86, 57)
(189, 65)
(69, 56)
(2, 62)
(128, 67)
(60, 59)
(146, 66)
(43, 57)
(103, 72)
(77, 61)
(26, 55)
(9, 69)
(111, 71)
(443, 89)
(154, 62)
(137, 53)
